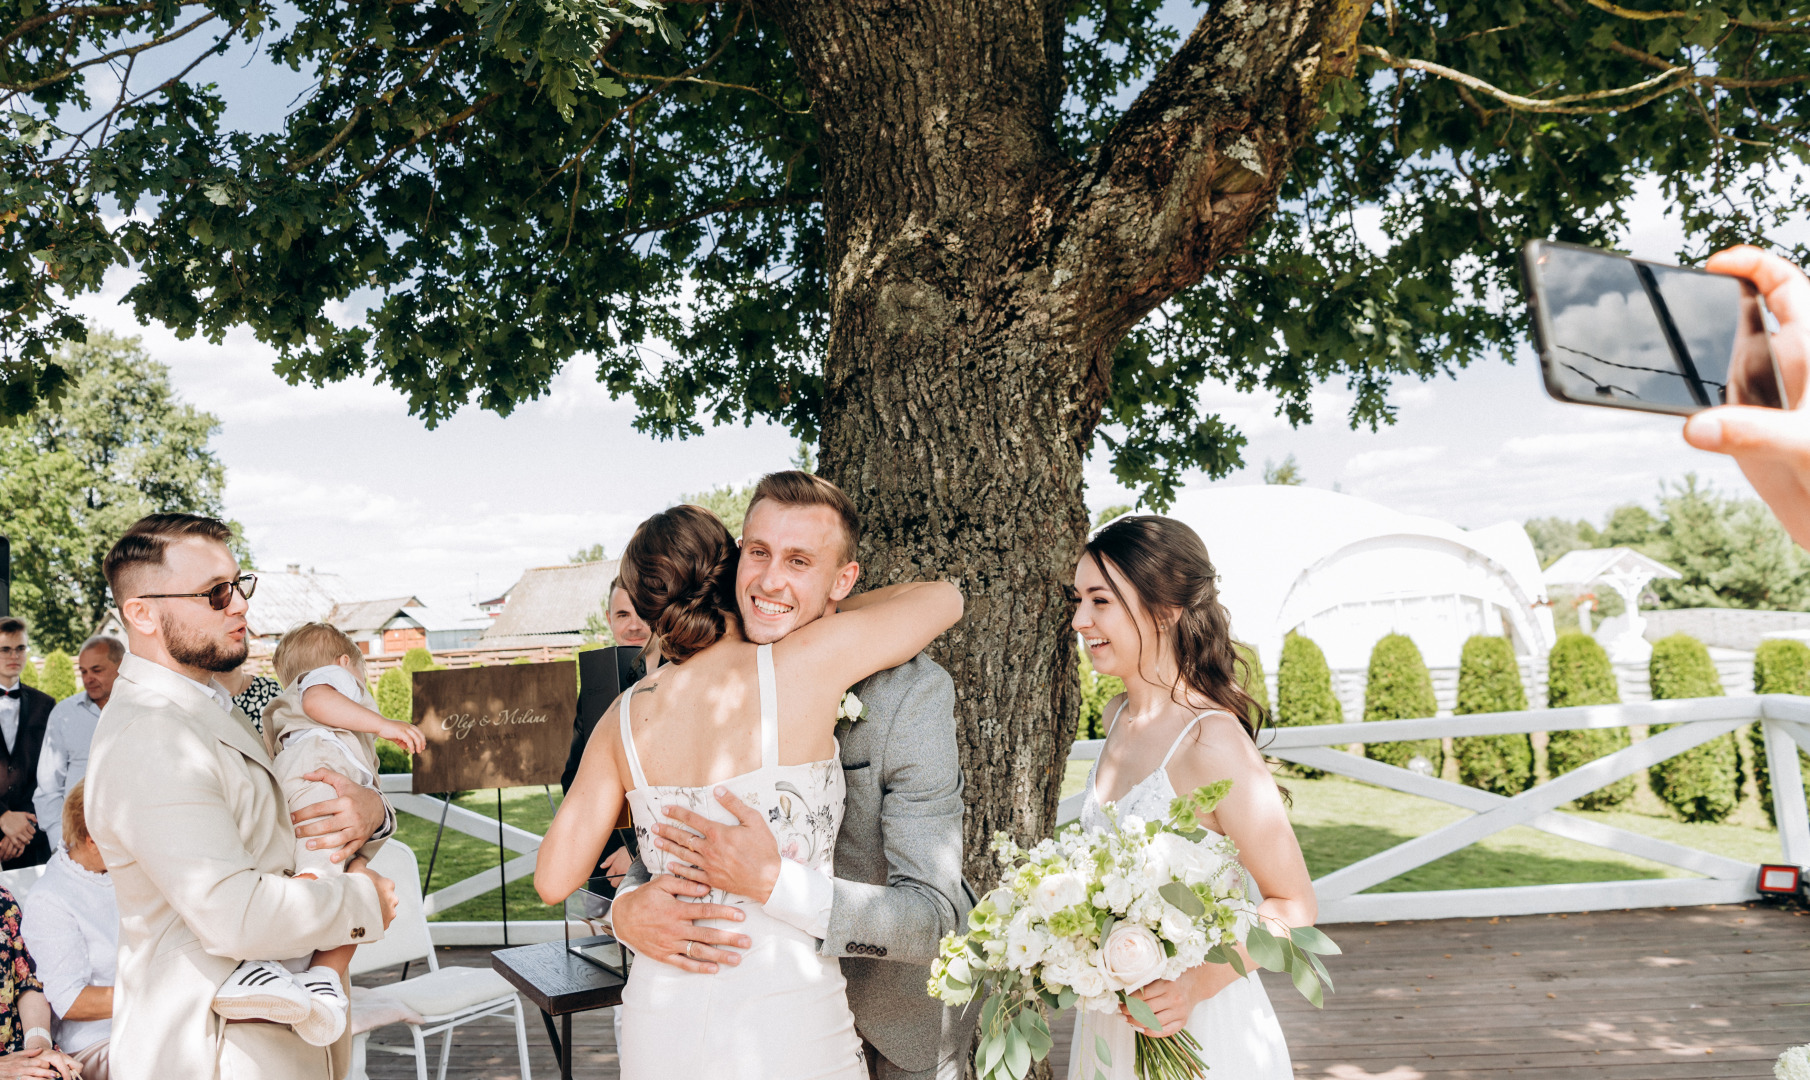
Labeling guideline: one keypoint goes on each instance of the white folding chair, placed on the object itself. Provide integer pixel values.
(444, 998)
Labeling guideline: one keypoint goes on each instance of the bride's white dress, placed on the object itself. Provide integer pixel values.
(1239, 1036)
(783, 1011)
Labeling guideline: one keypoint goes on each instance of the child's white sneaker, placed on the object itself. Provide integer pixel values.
(262, 990)
(328, 1007)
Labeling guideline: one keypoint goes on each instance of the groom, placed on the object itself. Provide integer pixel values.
(899, 887)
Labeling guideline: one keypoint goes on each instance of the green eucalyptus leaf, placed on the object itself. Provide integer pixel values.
(1102, 1051)
(1018, 1053)
(1312, 940)
(1182, 899)
(1142, 1013)
(1265, 950)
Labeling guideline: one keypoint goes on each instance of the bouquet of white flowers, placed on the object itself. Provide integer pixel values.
(1088, 917)
(1793, 1064)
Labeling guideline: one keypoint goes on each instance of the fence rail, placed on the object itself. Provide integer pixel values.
(1786, 720)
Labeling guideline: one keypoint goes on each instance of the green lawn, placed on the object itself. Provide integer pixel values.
(1340, 821)
(461, 856)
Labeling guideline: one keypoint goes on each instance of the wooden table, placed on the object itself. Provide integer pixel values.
(559, 984)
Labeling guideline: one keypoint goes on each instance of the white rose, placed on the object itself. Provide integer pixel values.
(1131, 957)
(1118, 893)
(1058, 891)
(851, 707)
(1176, 926)
(1088, 982)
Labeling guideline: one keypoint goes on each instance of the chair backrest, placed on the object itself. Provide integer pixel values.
(20, 880)
(407, 938)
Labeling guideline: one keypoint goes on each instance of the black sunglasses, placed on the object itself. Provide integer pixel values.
(217, 597)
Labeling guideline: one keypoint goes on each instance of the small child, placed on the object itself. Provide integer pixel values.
(324, 719)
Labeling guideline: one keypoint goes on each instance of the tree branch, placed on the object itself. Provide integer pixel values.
(1786, 26)
(1195, 163)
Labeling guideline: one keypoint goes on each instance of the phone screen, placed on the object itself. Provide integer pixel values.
(1623, 332)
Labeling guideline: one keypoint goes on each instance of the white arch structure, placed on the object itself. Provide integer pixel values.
(1346, 571)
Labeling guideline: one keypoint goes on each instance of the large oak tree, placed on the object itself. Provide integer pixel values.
(961, 242)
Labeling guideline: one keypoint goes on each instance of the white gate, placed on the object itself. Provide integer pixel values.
(1786, 720)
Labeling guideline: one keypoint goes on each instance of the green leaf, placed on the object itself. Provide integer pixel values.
(1066, 998)
(1142, 1013)
(1265, 950)
(1101, 1050)
(1018, 1053)
(992, 1049)
(1313, 941)
(1309, 986)
(1037, 1034)
(1183, 899)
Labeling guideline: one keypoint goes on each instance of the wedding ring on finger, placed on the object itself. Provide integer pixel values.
(688, 946)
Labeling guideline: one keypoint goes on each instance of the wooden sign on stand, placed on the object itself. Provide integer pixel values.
(494, 727)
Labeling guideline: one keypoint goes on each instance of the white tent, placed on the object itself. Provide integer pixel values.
(1345, 572)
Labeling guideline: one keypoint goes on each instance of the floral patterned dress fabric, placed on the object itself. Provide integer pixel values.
(783, 1011)
(21, 975)
(1237, 1028)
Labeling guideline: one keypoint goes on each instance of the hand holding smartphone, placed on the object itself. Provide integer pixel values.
(1631, 334)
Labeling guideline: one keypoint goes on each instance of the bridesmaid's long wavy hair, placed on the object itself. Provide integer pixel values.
(679, 572)
(1166, 564)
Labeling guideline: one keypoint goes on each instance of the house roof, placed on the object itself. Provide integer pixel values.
(372, 614)
(288, 598)
(1593, 564)
(554, 600)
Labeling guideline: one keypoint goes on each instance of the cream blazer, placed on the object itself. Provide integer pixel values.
(196, 836)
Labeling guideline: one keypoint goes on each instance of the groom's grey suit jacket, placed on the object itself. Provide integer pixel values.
(898, 884)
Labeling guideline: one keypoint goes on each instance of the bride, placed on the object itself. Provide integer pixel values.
(758, 721)
(1150, 614)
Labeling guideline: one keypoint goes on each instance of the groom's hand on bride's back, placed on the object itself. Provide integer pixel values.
(742, 858)
(654, 922)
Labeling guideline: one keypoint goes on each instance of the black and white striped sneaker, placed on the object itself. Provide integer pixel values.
(262, 990)
(328, 1007)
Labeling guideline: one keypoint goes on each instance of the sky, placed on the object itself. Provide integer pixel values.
(342, 479)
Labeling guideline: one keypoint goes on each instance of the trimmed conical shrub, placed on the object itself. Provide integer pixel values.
(1400, 688)
(1304, 691)
(395, 696)
(58, 679)
(1489, 680)
(28, 676)
(1251, 675)
(1578, 673)
(1704, 782)
(1779, 667)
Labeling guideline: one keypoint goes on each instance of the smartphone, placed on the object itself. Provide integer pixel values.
(1631, 334)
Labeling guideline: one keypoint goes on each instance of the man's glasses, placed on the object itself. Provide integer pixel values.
(217, 597)
(12, 650)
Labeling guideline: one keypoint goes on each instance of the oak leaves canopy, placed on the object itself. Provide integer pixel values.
(504, 187)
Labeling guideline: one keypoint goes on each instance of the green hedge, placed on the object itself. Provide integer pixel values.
(1096, 691)
(1703, 783)
(1779, 667)
(1399, 688)
(395, 694)
(29, 675)
(1304, 694)
(59, 679)
(1489, 680)
(1578, 673)
(1252, 672)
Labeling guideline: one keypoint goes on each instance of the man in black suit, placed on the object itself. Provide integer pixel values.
(24, 712)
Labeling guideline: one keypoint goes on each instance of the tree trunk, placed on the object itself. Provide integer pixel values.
(979, 282)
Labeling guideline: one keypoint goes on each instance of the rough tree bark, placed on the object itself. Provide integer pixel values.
(980, 280)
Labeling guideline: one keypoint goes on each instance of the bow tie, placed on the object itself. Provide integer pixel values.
(13, 693)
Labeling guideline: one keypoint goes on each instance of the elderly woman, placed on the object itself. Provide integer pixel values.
(72, 930)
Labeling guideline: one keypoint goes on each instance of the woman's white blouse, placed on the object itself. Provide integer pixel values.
(71, 929)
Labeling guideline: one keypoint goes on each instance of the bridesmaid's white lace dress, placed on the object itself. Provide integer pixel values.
(1240, 1038)
(783, 1011)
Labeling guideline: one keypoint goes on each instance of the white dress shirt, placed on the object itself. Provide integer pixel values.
(9, 716)
(64, 760)
(71, 929)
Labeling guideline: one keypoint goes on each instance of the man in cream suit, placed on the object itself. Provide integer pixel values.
(194, 830)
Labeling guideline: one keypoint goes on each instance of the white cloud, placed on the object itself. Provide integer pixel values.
(1373, 462)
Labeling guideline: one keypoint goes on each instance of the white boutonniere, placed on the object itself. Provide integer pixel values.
(850, 712)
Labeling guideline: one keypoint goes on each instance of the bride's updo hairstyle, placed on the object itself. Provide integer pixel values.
(1166, 564)
(679, 572)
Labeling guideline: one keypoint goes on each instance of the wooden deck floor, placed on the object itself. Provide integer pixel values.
(1624, 995)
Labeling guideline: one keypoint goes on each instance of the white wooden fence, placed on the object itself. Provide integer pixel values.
(1341, 893)
(1724, 880)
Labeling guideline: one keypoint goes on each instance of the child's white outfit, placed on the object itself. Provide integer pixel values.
(289, 991)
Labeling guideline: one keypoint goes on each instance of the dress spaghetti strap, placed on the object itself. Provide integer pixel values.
(1110, 724)
(628, 742)
(769, 708)
(1177, 745)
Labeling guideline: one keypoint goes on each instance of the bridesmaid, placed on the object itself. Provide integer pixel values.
(1150, 614)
